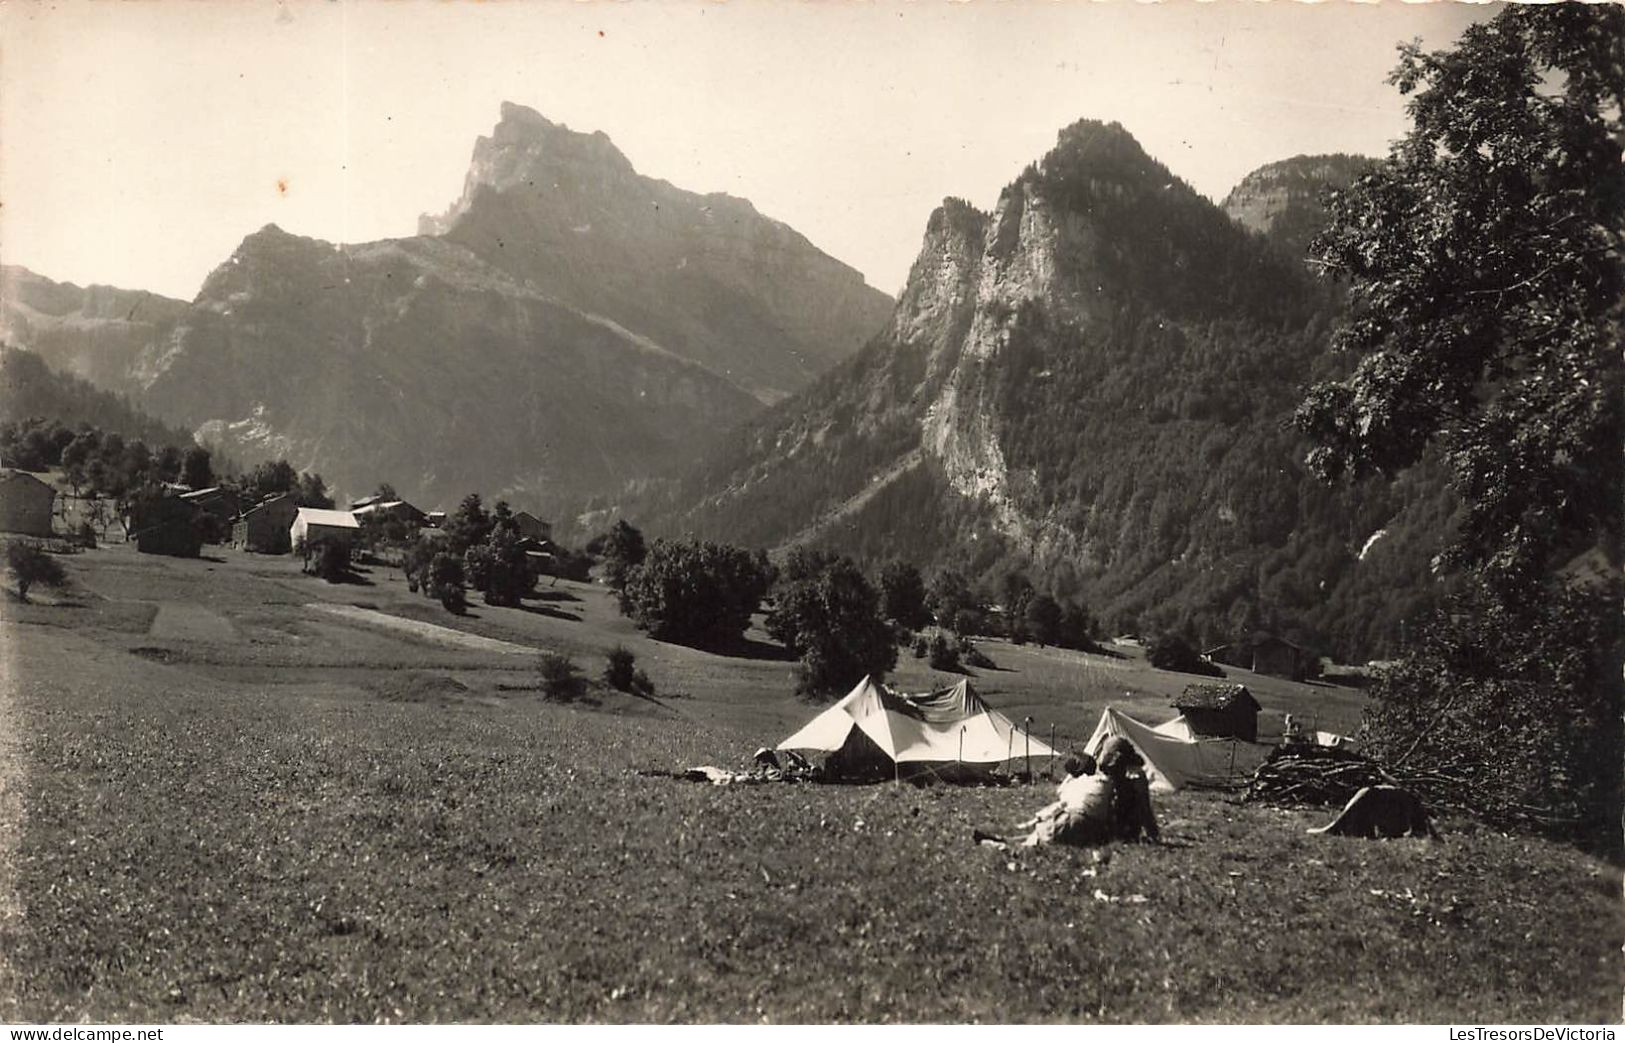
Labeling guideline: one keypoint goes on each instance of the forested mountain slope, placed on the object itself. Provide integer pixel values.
(1091, 382)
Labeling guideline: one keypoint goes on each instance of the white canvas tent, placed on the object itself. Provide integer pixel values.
(1174, 758)
(947, 733)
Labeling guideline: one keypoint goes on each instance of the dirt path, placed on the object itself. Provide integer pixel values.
(427, 631)
(11, 816)
(179, 620)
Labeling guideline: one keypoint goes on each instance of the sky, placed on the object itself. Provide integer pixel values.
(140, 142)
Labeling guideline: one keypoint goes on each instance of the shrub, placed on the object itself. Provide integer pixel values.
(445, 581)
(30, 565)
(332, 561)
(618, 668)
(641, 684)
(973, 656)
(945, 654)
(921, 646)
(561, 680)
(87, 535)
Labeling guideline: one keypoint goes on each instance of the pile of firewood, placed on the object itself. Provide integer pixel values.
(1312, 775)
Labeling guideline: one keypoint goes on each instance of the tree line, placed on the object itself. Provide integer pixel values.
(838, 621)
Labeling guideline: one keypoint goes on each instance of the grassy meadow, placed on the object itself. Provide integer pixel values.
(235, 806)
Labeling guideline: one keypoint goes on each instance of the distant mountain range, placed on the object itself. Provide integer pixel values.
(1091, 383)
(567, 326)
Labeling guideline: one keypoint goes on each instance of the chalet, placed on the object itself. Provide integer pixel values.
(264, 528)
(532, 527)
(166, 525)
(217, 500)
(1219, 711)
(312, 525)
(1267, 654)
(25, 503)
(399, 510)
(435, 519)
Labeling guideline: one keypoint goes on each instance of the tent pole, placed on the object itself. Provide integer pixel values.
(1027, 730)
(1052, 750)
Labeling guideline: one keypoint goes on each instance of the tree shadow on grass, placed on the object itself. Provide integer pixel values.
(550, 612)
(351, 578)
(740, 648)
(552, 595)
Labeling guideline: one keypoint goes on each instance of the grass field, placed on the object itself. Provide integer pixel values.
(234, 807)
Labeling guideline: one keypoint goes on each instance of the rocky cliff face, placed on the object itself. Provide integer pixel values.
(1089, 382)
(95, 332)
(1284, 201)
(566, 326)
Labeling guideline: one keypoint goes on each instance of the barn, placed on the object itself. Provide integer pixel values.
(264, 528)
(25, 503)
(1267, 654)
(312, 526)
(1219, 711)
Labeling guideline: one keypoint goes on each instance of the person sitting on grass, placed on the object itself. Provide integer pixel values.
(1092, 806)
(1132, 816)
(1080, 814)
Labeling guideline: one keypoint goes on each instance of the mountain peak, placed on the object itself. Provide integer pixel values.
(528, 149)
(517, 115)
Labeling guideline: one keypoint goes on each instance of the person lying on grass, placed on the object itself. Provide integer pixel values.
(1092, 806)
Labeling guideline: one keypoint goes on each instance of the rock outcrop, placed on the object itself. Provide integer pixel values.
(1285, 201)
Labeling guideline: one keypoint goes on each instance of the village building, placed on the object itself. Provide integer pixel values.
(166, 525)
(399, 510)
(1267, 654)
(532, 527)
(25, 503)
(219, 501)
(264, 529)
(313, 525)
(1219, 711)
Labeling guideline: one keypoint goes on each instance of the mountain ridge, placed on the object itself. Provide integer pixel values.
(1089, 381)
(605, 319)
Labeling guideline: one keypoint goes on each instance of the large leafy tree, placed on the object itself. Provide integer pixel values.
(695, 593)
(622, 549)
(1485, 273)
(827, 613)
(902, 594)
(1484, 263)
